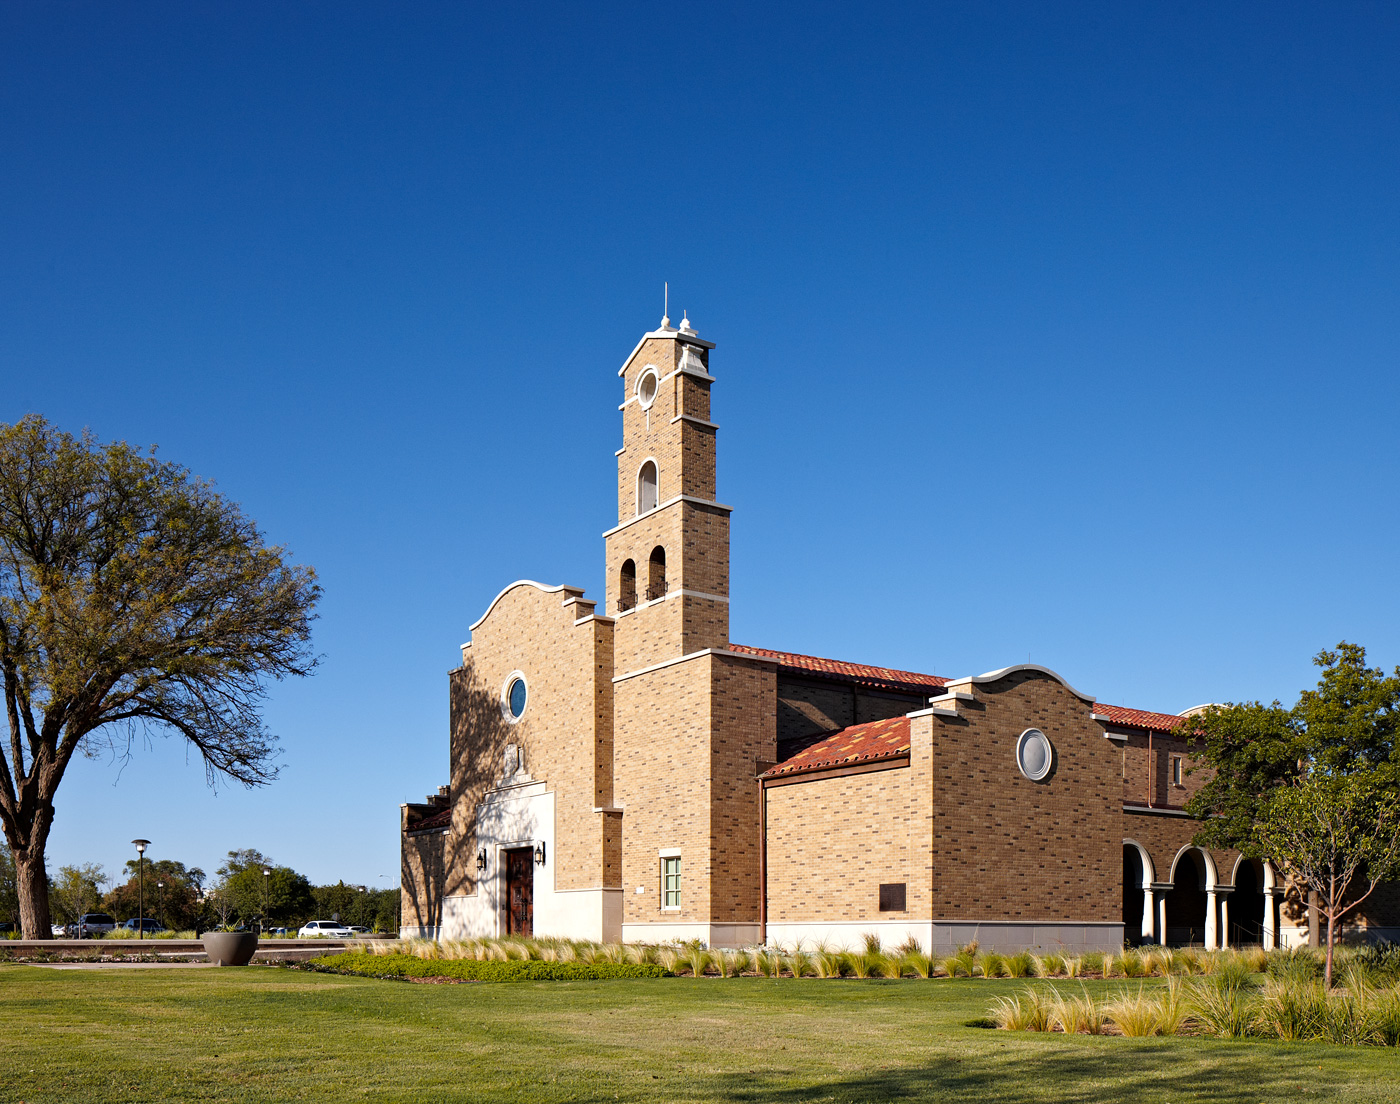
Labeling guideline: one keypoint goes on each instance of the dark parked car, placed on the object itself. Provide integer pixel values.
(146, 925)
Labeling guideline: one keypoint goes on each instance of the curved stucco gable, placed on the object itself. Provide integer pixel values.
(562, 588)
(1006, 672)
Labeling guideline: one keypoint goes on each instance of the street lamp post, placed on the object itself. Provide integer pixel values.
(160, 916)
(141, 846)
(266, 874)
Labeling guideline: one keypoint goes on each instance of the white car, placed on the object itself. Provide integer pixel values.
(331, 928)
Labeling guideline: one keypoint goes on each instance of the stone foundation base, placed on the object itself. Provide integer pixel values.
(946, 937)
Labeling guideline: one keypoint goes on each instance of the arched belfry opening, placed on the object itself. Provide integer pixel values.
(646, 487)
(656, 574)
(627, 586)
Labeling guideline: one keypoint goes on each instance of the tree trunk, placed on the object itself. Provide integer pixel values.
(1327, 970)
(32, 881)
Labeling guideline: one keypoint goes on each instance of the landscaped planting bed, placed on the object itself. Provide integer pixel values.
(466, 969)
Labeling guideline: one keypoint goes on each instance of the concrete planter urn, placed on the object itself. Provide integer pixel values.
(230, 948)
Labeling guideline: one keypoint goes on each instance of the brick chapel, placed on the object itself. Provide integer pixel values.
(633, 774)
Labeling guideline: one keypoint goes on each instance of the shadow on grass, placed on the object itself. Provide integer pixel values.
(1229, 1075)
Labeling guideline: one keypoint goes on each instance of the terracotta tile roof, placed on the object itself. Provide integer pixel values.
(441, 819)
(1137, 718)
(880, 678)
(862, 743)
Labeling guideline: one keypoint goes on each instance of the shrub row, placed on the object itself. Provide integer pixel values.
(1381, 964)
(403, 965)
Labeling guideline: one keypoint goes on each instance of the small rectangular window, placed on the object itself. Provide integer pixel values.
(671, 882)
(892, 897)
(1176, 770)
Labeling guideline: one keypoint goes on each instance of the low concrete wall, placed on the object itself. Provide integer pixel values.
(295, 950)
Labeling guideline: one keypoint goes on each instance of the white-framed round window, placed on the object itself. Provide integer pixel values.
(647, 384)
(1034, 755)
(515, 695)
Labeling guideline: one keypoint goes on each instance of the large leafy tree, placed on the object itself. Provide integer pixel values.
(77, 890)
(171, 893)
(1334, 756)
(1338, 834)
(132, 597)
(279, 897)
(1350, 724)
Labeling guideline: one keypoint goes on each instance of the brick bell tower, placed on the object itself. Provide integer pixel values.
(668, 556)
(691, 718)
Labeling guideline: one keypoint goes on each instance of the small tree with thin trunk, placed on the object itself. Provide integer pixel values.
(1337, 835)
(132, 597)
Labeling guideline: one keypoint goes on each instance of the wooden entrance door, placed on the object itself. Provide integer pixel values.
(520, 891)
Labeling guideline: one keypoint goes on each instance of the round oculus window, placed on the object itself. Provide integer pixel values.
(646, 387)
(1034, 755)
(514, 695)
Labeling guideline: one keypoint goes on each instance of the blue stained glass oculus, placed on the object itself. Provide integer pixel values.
(515, 698)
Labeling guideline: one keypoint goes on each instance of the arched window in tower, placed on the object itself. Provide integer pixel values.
(627, 586)
(656, 574)
(646, 487)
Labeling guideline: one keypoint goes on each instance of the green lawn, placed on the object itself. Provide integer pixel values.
(268, 1034)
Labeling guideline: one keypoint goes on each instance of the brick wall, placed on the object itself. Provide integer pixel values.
(833, 840)
(807, 706)
(1004, 847)
(1143, 772)
(565, 732)
(661, 780)
(422, 868)
(742, 733)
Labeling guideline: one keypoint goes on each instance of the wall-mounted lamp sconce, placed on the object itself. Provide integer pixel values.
(481, 859)
(539, 853)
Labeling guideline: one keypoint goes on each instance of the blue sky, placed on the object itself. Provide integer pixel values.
(1048, 332)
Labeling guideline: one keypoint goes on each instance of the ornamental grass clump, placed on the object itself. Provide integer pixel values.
(798, 963)
(730, 963)
(1076, 1015)
(697, 960)
(1137, 1015)
(961, 964)
(1385, 1018)
(992, 965)
(918, 964)
(1157, 962)
(864, 964)
(1223, 1007)
(826, 962)
(1028, 1010)
(1051, 965)
(1291, 1009)
(1020, 965)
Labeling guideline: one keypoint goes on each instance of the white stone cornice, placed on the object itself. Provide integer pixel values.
(690, 656)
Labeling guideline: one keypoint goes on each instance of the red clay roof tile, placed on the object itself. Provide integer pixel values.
(1137, 718)
(441, 819)
(849, 747)
(884, 678)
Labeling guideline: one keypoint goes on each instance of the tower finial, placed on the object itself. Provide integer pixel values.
(666, 305)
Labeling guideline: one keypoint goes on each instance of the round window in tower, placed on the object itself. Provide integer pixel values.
(646, 387)
(1034, 755)
(514, 696)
